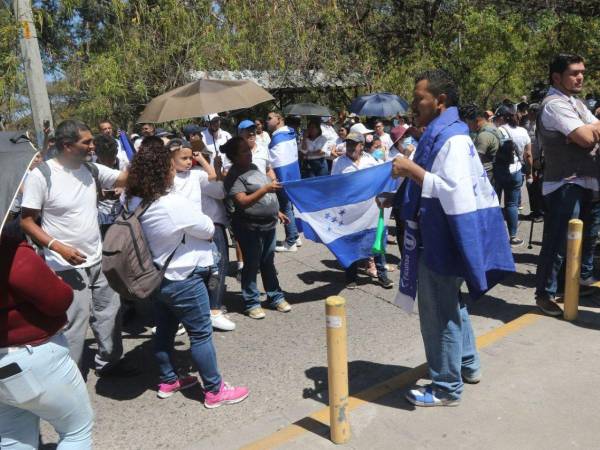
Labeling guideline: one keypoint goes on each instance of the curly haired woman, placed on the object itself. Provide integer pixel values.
(174, 225)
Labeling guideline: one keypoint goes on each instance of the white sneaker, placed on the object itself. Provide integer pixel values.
(298, 242)
(286, 248)
(222, 322)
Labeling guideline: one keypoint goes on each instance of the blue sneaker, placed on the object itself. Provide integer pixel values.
(427, 396)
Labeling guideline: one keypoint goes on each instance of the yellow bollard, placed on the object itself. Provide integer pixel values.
(573, 269)
(337, 363)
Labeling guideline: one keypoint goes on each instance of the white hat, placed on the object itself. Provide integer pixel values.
(360, 128)
(213, 116)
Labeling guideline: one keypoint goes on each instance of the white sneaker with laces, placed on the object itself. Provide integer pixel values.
(286, 248)
(298, 242)
(222, 322)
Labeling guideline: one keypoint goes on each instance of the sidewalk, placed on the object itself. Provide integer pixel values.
(539, 391)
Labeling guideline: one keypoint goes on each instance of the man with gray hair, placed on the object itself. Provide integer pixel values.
(63, 191)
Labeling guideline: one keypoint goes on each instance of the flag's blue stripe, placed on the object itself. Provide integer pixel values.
(353, 247)
(315, 194)
(473, 245)
(280, 137)
(126, 146)
(291, 172)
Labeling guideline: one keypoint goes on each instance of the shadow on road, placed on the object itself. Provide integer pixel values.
(361, 375)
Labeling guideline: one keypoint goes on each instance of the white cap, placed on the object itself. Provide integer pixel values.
(213, 116)
(360, 128)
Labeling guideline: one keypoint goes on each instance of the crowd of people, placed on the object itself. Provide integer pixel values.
(199, 189)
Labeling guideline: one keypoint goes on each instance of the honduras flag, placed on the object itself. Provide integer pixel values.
(340, 210)
(454, 217)
(283, 154)
(126, 145)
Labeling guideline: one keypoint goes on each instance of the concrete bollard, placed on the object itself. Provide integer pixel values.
(337, 373)
(573, 269)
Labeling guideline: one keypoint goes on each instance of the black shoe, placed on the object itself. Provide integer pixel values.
(548, 307)
(385, 282)
(120, 369)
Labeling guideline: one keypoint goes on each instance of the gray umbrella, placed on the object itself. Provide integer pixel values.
(306, 109)
(16, 154)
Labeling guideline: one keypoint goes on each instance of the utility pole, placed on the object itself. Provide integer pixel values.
(34, 73)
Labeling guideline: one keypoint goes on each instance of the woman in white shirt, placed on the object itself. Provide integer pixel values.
(178, 234)
(509, 177)
(314, 147)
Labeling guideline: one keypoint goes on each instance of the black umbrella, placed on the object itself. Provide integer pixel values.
(306, 109)
(16, 154)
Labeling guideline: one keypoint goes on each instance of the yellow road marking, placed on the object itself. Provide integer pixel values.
(318, 422)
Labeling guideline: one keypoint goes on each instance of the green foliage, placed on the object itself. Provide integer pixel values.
(111, 57)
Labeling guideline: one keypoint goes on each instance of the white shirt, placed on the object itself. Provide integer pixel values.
(222, 136)
(190, 183)
(263, 138)
(313, 147)
(69, 212)
(260, 158)
(386, 140)
(343, 164)
(165, 224)
(560, 115)
(329, 132)
(520, 137)
(212, 202)
(340, 145)
(122, 156)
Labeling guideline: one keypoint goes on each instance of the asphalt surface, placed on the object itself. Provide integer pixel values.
(282, 358)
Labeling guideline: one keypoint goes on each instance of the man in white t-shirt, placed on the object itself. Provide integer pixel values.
(386, 140)
(214, 137)
(64, 193)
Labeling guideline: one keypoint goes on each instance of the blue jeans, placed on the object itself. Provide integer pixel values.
(220, 239)
(450, 345)
(316, 168)
(568, 202)
(511, 184)
(62, 401)
(186, 302)
(285, 206)
(258, 248)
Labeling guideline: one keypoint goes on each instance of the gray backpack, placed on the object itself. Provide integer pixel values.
(126, 259)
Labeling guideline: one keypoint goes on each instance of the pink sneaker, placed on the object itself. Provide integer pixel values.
(165, 390)
(227, 395)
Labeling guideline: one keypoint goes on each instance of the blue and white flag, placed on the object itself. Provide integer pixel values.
(340, 210)
(283, 154)
(456, 215)
(126, 145)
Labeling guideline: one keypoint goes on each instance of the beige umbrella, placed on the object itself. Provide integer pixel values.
(202, 97)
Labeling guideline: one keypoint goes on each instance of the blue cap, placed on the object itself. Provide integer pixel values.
(191, 128)
(245, 124)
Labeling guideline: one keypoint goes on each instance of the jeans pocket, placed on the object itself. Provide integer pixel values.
(20, 388)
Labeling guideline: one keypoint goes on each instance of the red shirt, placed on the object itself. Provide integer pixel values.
(33, 300)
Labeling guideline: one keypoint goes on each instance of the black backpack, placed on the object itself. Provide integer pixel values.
(505, 156)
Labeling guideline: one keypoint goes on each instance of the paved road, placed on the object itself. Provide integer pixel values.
(281, 358)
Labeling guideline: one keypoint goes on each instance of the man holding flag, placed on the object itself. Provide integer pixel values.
(283, 154)
(124, 151)
(454, 233)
